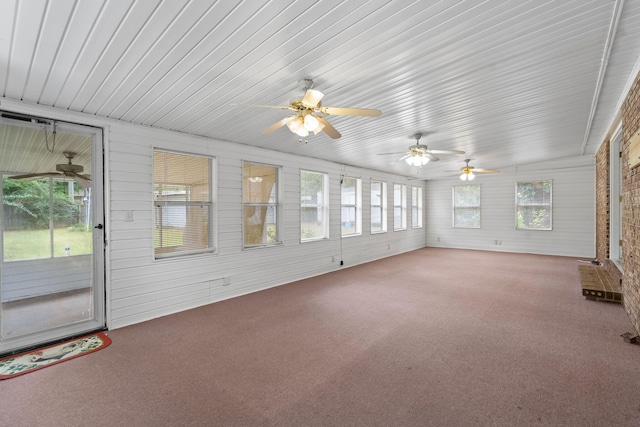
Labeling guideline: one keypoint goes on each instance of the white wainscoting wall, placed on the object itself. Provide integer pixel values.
(573, 212)
(142, 288)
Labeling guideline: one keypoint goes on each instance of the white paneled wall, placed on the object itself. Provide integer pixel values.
(573, 231)
(141, 288)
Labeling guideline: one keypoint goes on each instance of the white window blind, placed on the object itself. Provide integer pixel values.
(260, 204)
(183, 204)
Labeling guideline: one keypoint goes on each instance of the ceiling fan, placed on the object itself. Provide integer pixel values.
(68, 170)
(419, 154)
(467, 172)
(307, 116)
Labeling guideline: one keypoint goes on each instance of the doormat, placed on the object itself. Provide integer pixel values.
(33, 360)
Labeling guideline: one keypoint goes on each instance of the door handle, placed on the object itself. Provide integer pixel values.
(99, 227)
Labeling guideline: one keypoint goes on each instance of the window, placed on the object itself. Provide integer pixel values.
(615, 202)
(399, 207)
(351, 206)
(378, 207)
(44, 218)
(466, 206)
(183, 205)
(260, 204)
(416, 207)
(314, 205)
(533, 205)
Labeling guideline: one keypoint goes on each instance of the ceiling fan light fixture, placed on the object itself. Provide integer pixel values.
(302, 131)
(311, 123)
(417, 160)
(297, 126)
(467, 174)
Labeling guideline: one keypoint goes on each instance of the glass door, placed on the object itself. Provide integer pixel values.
(52, 245)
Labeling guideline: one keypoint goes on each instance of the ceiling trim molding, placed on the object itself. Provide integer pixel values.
(608, 46)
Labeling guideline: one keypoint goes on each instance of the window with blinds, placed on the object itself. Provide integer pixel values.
(183, 206)
(260, 201)
(399, 207)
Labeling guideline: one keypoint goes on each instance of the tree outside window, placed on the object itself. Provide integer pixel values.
(44, 218)
(533, 205)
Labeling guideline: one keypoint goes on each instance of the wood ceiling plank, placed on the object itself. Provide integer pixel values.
(26, 31)
(74, 41)
(7, 33)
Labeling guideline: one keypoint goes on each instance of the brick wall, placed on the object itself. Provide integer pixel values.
(603, 178)
(631, 209)
(602, 202)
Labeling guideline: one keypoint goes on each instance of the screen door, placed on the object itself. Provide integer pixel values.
(51, 221)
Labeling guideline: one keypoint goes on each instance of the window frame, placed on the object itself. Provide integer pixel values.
(417, 212)
(357, 206)
(382, 207)
(402, 206)
(276, 205)
(211, 217)
(455, 207)
(550, 205)
(322, 204)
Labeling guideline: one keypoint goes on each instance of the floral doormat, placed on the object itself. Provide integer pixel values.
(33, 360)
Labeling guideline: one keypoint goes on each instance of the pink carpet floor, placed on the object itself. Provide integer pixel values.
(434, 337)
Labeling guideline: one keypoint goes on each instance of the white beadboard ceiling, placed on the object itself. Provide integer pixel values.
(508, 82)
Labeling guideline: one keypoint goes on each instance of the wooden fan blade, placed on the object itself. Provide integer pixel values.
(431, 157)
(351, 111)
(278, 125)
(83, 180)
(486, 170)
(406, 156)
(446, 151)
(396, 153)
(280, 107)
(328, 129)
(312, 98)
(35, 175)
